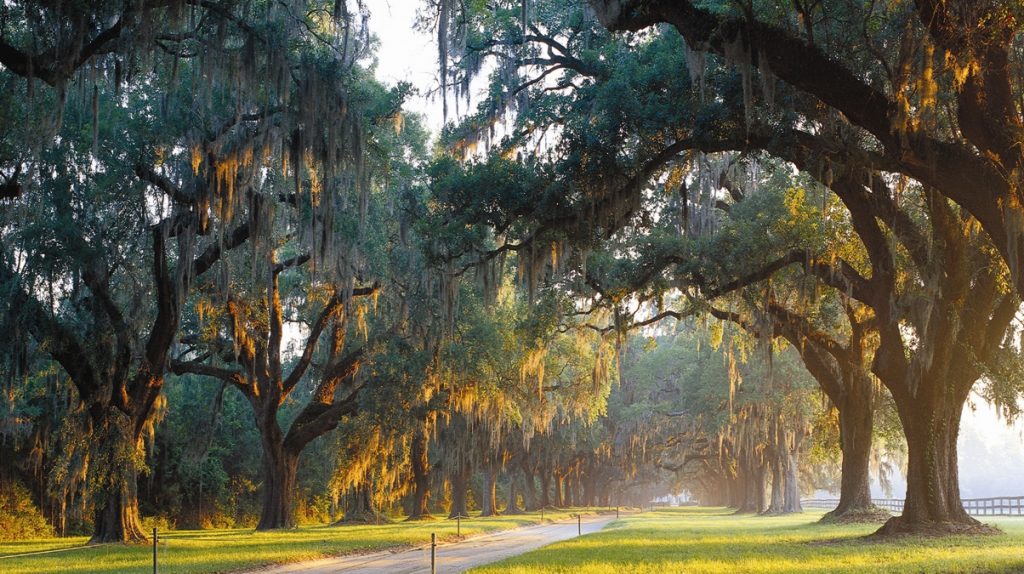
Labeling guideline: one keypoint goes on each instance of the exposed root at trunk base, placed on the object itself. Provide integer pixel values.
(865, 515)
(118, 522)
(771, 512)
(272, 528)
(897, 527)
(135, 537)
(363, 518)
(421, 518)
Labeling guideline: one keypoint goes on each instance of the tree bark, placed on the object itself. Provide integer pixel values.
(589, 491)
(777, 502)
(117, 520)
(856, 427)
(530, 490)
(359, 507)
(734, 491)
(572, 489)
(752, 481)
(279, 470)
(117, 517)
(931, 425)
(545, 489)
(421, 476)
(791, 496)
(460, 485)
(489, 503)
(513, 496)
(930, 393)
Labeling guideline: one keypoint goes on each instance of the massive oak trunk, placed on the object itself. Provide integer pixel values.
(460, 486)
(279, 470)
(488, 502)
(856, 428)
(791, 496)
(513, 496)
(117, 510)
(931, 425)
(753, 493)
(933, 492)
(777, 499)
(420, 476)
(545, 489)
(530, 492)
(116, 518)
(359, 507)
(966, 326)
(589, 490)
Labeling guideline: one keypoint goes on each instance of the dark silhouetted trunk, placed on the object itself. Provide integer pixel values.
(489, 502)
(545, 489)
(930, 393)
(753, 494)
(856, 427)
(529, 490)
(117, 512)
(279, 468)
(931, 425)
(791, 496)
(777, 501)
(785, 456)
(460, 486)
(513, 496)
(117, 520)
(421, 476)
(589, 491)
(359, 508)
(735, 490)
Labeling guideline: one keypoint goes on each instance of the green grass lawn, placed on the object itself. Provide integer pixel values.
(711, 540)
(210, 551)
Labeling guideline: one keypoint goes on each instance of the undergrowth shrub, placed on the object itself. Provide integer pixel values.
(19, 517)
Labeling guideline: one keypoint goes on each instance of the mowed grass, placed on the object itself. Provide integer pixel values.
(214, 551)
(712, 540)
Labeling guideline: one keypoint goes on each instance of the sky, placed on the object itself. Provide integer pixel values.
(405, 54)
(991, 451)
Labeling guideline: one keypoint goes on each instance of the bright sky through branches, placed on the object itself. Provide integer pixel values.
(405, 54)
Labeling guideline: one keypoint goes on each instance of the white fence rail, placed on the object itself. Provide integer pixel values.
(996, 506)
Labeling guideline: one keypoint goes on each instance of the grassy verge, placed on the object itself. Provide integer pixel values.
(703, 540)
(214, 551)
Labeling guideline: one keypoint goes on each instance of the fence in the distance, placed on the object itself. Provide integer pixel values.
(996, 506)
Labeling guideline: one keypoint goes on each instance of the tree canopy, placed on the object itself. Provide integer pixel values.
(745, 250)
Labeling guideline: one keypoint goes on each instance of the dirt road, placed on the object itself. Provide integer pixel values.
(452, 558)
